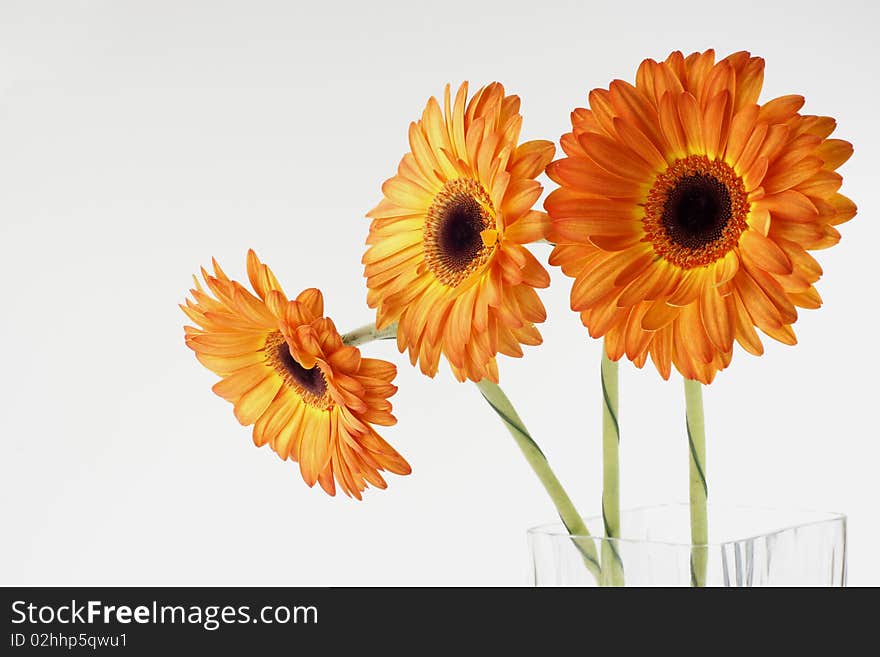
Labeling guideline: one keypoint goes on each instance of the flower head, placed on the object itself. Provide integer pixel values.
(446, 259)
(686, 212)
(287, 372)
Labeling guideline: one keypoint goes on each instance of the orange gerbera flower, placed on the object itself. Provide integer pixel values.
(446, 259)
(686, 211)
(286, 370)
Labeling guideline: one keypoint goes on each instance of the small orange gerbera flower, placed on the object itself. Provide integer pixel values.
(686, 211)
(446, 259)
(286, 370)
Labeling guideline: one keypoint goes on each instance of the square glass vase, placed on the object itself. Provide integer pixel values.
(747, 547)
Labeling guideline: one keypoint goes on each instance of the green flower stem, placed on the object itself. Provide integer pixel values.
(368, 333)
(535, 457)
(612, 571)
(699, 491)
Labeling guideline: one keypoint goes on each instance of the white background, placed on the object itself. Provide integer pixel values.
(137, 140)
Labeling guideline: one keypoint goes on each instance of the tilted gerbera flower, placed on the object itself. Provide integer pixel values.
(286, 370)
(686, 211)
(446, 259)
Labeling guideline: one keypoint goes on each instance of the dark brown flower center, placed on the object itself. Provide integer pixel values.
(454, 247)
(311, 380)
(696, 211)
(458, 234)
(309, 383)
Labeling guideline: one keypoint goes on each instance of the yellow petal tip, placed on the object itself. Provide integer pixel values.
(489, 236)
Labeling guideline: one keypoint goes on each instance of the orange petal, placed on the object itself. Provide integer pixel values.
(749, 81)
(671, 125)
(314, 450)
(636, 110)
(715, 124)
(693, 335)
(659, 315)
(764, 253)
(688, 289)
(746, 335)
(809, 299)
(583, 174)
(519, 198)
(785, 177)
(252, 403)
(531, 227)
(789, 205)
(780, 110)
(614, 157)
(719, 324)
(691, 122)
(761, 309)
(834, 152)
(784, 334)
(741, 128)
(637, 339)
(531, 158)
(602, 110)
(641, 145)
(755, 174)
(726, 268)
(312, 302)
(661, 351)
(822, 184)
(656, 282)
(844, 209)
(750, 151)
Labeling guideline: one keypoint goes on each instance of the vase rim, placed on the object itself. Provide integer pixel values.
(819, 517)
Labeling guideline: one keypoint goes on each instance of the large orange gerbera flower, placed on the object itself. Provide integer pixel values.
(288, 373)
(686, 211)
(446, 259)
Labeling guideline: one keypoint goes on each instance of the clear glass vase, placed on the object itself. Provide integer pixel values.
(747, 547)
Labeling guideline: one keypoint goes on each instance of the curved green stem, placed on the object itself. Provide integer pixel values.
(612, 571)
(368, 333)
(570, 517)
(535, 457)
(699, 491)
